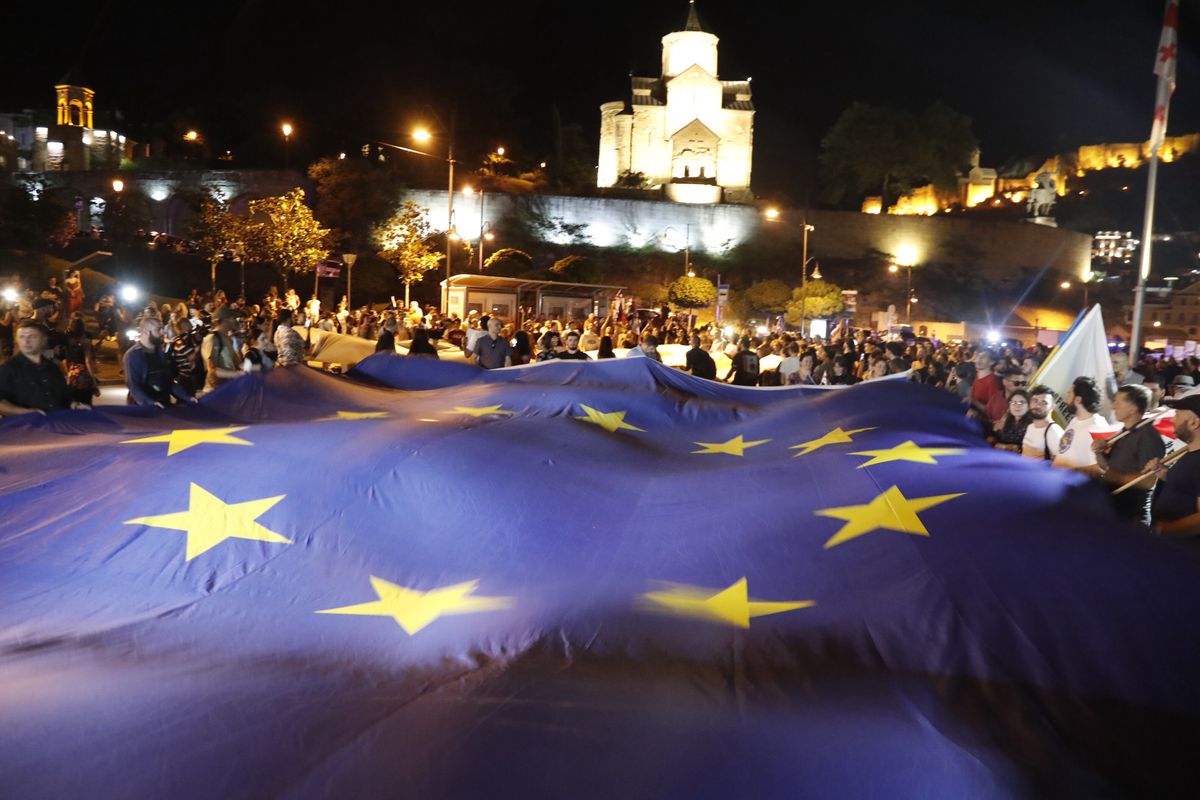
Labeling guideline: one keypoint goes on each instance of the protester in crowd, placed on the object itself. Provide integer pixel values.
(219, 351)
(986, 384)
(1075, 447)
(1181, 385)
(547, 347)
(1123, 457)
(789, 366)
(29, 381)
(649, 348)
(841, 373)
(1176, 505)
(149, 373)
(387, 336)
(572, 351)
(606, 348)
(1011, 379)
(289, 346)
(1043, 435)
(522, 348)
(74, 291)
(1122, 372)
(420, 346)
(589, 340)
(698, 362)
(184, 351)
(743, 367)
(79, 362)
(492, 351)
(1008, 432)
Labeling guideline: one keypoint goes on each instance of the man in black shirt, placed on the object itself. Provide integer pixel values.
(699, 362)
(743, 367)
(1127, 455)
(29, 381)
(1177, 505)
(573, 353)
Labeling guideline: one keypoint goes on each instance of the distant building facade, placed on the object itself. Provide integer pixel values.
(686, 131)
(65, 139)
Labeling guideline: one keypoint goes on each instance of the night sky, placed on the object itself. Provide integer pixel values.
(1036, 77)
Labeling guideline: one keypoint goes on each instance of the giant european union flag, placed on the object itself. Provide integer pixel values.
(575, 580)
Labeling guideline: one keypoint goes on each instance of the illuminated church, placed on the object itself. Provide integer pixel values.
(686, 131)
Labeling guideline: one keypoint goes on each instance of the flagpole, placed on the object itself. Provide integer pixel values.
(1164, 68)
(1139, 293)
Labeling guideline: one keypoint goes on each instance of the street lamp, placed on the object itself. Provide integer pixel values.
(191, 136)
(348, 259)
(485, 228)
(908, 295)
(287, 130)
(687, 244)
(118, 185)
(773, 215)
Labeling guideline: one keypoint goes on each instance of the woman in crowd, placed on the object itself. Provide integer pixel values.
(841, 373)
(522, 352)
(1008, 432)
(79, 363)
(548, 346)
(421, 347)
(606, 348)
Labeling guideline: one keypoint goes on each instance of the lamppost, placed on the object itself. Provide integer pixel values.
(287, 129)
(908, 295)
(485, 228)
(773, 215)
(1086, 286)
(423, 135)
(349, 259)
(687, 247)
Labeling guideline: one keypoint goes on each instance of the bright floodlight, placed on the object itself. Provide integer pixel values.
(10, 294)
(762, 330)
(993, 336)
(422, 135)
(129, 293)
(727, 331)
(131, 334)
(906, 255)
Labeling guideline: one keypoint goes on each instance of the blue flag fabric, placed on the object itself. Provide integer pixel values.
(575, 580)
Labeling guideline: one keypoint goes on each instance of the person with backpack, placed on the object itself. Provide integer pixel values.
(1043, 434)
(219, 351)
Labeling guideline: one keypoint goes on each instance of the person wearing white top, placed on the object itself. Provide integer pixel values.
(1043, 435)
(1075, 447)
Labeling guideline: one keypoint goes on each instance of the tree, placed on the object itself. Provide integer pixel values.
(816, 300)
(404, 243)
(216, 228)
(354, 195)
(891, 151)
(688, 292)
(282, 231)
(509, 262)
(576, 269)
(767, 297)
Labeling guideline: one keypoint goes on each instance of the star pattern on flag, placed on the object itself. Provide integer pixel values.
(611, 421)
(735, 447)
(179, 440)
(835, 436)
(358, 415)
(482, 411)
(908, 451)
(731, 605)
(413, 609)
(209, 521)
(890, 510)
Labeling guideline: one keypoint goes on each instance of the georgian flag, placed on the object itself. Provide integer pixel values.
(1164, 68)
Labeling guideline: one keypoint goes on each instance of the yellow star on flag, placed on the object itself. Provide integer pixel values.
(209, 521)
(731, 605)
(734, 447)
(178, 441)
(909, 451)
(359, 415)
(611, 421)
(413, 609)
(482, 411)
(888, 511)
(835, 436)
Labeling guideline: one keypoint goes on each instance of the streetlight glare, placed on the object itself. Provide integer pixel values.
(500, 150)
(468, 190)
(893, 268)
(772, 213)
(489, 236)
(129, 293)
(1065, 285)
(906, 255)
(191, 136)
(422, 135)
(287, 129)
(118, 184)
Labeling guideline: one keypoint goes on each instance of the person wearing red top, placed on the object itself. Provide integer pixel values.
(986, 384)
(1012, 380)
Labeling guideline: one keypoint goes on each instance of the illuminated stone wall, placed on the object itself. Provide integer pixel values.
(714, 229)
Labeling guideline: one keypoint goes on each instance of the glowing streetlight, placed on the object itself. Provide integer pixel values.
(286, 129)
(1065, 285)
(422, 135)
(1157, 323)
(772, 214)
(191, 136)
(118, 185)
(893, 267)
(468, 191)
(500, 150)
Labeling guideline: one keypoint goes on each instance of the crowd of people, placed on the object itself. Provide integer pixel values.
(176, 352)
